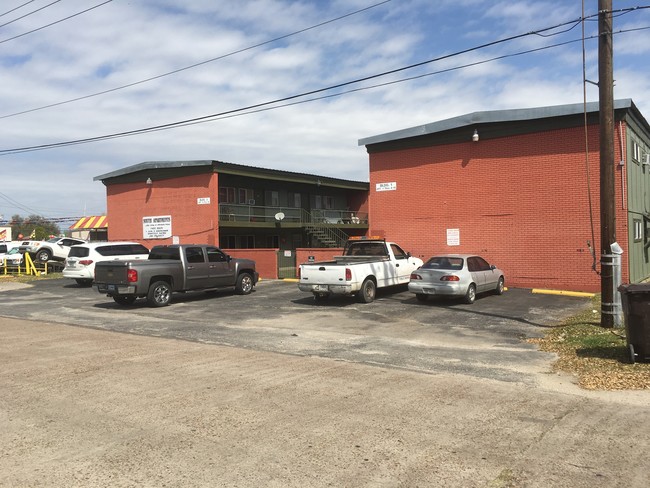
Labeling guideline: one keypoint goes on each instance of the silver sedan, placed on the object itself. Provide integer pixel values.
(460, 275)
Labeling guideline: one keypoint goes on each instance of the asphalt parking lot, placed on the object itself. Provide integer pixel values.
(274, 390)
(483, 340)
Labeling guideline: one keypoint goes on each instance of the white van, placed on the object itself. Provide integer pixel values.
(80, 264)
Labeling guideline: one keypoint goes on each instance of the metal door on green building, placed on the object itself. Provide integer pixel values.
(286, 264)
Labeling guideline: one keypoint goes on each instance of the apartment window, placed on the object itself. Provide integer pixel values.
(237, 242)
(294, 200)
(636, 152)
(275, 199)
(638, 230)
(323, 201)
(226, 195)
(246, 196)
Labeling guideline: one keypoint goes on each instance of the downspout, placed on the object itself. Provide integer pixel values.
(622, 165)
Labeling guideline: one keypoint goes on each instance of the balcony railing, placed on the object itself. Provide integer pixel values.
(252, 213)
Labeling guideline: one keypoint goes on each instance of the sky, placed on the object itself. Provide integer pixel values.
(83, 69)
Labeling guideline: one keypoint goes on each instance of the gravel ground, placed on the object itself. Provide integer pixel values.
(91, 408)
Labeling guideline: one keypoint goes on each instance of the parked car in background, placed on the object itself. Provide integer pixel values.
(10, 255)
(456, 275)
(56, 248)
(80, 264)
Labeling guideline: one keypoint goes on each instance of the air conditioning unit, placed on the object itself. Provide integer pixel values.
(251, 202)
(645, 161)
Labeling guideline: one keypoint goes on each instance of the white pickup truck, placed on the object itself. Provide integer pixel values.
(366, 264)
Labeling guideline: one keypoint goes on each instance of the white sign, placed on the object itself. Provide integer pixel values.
(453, 237)
(386, 186)
(159, 227)
(203, 201)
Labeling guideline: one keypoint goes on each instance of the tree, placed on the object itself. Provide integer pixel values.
(34, 227)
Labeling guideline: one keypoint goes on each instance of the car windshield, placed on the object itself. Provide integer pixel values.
(14, 250)
(53, 239)
(444, 262)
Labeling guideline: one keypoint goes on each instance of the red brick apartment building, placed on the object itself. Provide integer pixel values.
(263, 214)
(514, 187)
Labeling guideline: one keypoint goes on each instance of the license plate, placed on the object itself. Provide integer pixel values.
(320, 288)
(110, 287)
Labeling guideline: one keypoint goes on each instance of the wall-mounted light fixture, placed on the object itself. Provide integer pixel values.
(149, 181)
(475, 136)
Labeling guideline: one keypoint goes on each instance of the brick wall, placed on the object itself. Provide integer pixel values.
(266, 261)
(128, 203)
(521, 202)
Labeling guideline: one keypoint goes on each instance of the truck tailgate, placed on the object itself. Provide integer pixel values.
(322, 274)
(114, 272)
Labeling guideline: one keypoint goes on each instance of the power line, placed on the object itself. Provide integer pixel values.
(16, 8)
(55, 22)
(201, 63)
(30, 13)
(267, 105)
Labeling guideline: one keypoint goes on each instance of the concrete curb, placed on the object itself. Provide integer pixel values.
(563, 292)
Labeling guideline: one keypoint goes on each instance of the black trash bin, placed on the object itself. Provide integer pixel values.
(636, 309)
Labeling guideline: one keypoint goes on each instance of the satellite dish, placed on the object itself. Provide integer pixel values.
(279, 216)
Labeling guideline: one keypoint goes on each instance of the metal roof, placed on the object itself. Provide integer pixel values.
(233, 169)
(495, 116)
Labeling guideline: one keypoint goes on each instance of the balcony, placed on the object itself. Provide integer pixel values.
(233, 215)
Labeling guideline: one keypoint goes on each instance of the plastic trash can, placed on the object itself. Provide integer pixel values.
(635, 298)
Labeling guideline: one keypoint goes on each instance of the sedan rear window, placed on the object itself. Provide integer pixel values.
(444, 262)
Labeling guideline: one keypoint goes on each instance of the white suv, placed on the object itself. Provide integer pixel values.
(80, 264)
(55, 248)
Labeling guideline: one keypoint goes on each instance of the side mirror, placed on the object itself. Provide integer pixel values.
(493, 267)
(408, 254)
(228, 258)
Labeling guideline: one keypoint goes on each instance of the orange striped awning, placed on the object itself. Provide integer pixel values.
(93, 222)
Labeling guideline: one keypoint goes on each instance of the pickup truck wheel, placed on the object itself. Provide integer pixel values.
(159, 294)
(244, 284)
(44, 255)
(124, 300)
(367, 292)
(84, 282)
(470, 296)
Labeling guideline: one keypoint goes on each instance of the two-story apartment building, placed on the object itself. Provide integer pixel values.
(232, 206)
(519, 187)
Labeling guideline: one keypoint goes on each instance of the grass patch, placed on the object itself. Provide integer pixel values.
(599, 358)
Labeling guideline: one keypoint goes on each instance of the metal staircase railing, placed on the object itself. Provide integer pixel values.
(326, 233)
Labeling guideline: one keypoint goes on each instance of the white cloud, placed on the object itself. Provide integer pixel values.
(124, 42)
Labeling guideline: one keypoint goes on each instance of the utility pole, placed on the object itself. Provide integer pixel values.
(606, 121)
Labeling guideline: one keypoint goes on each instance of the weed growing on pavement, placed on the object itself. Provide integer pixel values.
(598, 357)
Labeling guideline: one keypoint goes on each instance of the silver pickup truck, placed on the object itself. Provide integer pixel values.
(175, 268)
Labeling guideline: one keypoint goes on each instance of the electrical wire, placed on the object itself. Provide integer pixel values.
(586, 131)
(276, 101)
(30, 13)
(201, 63)
(16, 8)
(55, 22)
